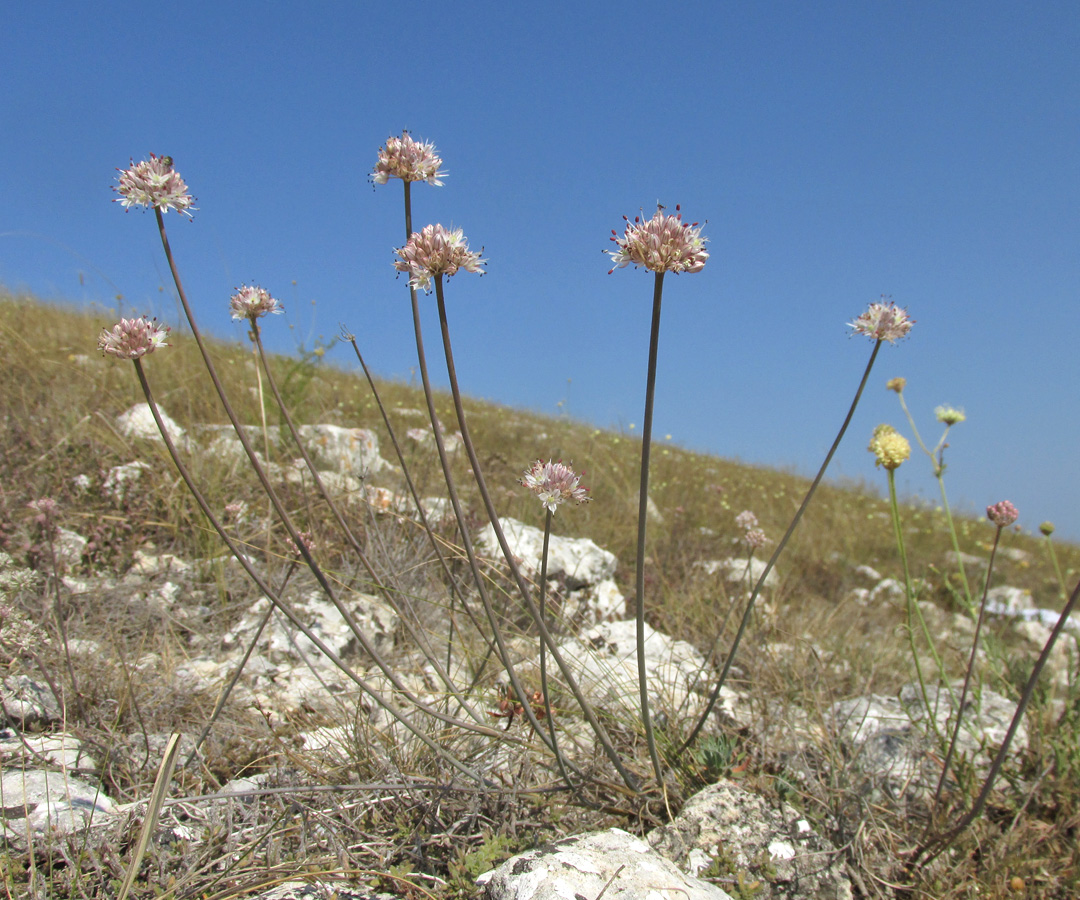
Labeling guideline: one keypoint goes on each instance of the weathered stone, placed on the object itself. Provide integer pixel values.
(603, 660)
(731, 836)
(120, 480)
(36, 801)
(895, 749)
(138, 422)
(29, 704)
(618, 864)
(64, 751)
(319, 890)
(575, 562)
(283, 642)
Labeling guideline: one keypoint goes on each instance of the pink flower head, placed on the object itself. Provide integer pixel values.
(746, 520)
(554, 483)
(305, 539)
(408, 160)
(436, 251)
(132, 338)
(252, 303)
(883, 322)
(663, 244)
(1002, 514)
(755, 538)
(154, 183)
(46, 509)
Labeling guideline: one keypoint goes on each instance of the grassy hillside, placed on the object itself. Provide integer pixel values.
(58, 406)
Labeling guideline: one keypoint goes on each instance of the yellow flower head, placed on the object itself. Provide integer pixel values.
(890, 447)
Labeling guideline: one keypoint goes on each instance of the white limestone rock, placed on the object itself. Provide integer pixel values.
(733, 836)
(138, 422)
(614, 862)
(576, 562)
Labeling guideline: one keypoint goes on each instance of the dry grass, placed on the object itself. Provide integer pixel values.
(58, 403)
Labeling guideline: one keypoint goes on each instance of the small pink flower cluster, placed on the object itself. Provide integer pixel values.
(554, 483)
(1002, 514)
(883, 322)
(132, 338)
(754, 537)
(408, 160)
(436, 251)
(663, 244)
(154, 183)
(252, 303)
(306, 539)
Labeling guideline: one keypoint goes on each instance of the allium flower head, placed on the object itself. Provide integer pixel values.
(408, 160)
(883, 322)
(46, 508)
(947, 415)
(896, 384)
(890, 447)
(305, 539)
(746, 520)
(663, 244)
(436, 251)
(252, 303)
(755, 538)
(554, 483)
(154, 183)
(1002, 514)
(132, 338)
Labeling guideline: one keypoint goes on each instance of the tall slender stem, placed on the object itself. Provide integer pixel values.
(515, 569)
(967, 675)
(643, 519)
(387, 594)
(776, 555)
(543, 653)
(282, 513)
(272, 595)
(938, 845)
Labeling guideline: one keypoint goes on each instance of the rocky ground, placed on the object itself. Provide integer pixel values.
(305, 787)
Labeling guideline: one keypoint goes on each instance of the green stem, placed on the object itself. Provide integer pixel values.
(939, 474)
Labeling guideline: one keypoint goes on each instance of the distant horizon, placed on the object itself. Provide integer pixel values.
(349, 366)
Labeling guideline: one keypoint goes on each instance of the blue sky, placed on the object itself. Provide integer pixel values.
(838, 151)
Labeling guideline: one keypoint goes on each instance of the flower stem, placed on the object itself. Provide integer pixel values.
(913, 610)
(274, 598)
(967, 674)
(643, 519)
(455, 591)
(938, 845)
(515, 569)
(775, 556)
(939, 474)
(543, 654)
(389, 596)
(283, 515)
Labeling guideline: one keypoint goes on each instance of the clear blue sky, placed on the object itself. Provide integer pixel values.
(839, 151)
